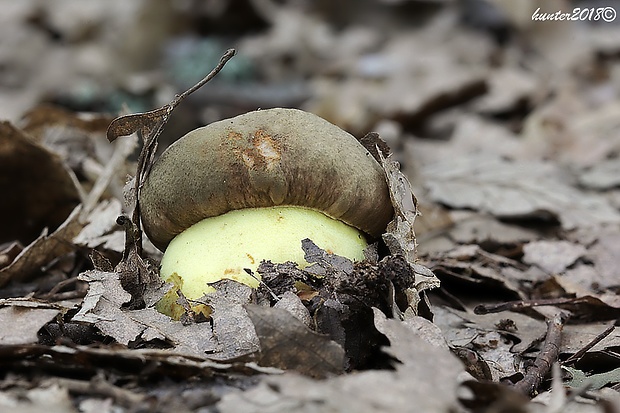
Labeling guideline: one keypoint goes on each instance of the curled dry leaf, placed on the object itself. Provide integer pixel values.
(400, 235)
(38, 191)
(43, 250)
(78, 138)
(145, 123)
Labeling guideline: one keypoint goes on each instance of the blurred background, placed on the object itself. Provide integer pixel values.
(362, 64)
(438, 79)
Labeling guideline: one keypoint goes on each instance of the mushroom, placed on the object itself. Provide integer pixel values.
(231, 194)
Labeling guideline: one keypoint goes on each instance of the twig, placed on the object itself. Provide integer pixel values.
(59, 286)
(149, 126)
(575, 357)
(545, 359)
(223, 60)
(150, 135)
(98, 386)
(520, 304)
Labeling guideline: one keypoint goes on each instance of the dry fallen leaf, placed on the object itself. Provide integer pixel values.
(77, 138)
(232, 326)
(286, 343)
(552, 256)
(99, 223)
(43, 250)
(484, 229)
(517, 189)
(21, 321)
(102, 308)
(426, 380)
(399, 235)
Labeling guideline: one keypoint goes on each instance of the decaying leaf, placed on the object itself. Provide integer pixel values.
(485, 229)
(293, 304)
(101, 306)
(44, 117)
(138, 276)
(324, 264)
(509, 88)
(420, 345)
(577, 337)
(469, 266)
(232, 326)
(286, 343)
(574, 133)
(146, 123)
(399, 235)
(594, 381)
(78, 138)
(393, 82)
(604, 254)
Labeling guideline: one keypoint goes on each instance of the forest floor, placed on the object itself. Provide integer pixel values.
(506, 126)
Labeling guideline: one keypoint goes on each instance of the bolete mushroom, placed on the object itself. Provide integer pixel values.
(231, 194)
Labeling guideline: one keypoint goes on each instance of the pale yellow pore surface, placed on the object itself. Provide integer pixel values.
(221, 247)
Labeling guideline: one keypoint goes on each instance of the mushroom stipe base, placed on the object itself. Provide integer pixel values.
(222, 247)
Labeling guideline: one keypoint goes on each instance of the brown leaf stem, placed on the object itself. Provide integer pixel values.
(545, 359)
(149, 126)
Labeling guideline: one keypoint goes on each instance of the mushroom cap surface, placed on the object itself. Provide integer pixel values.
(260, 159)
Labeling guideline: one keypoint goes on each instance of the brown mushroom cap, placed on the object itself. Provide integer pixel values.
(260, 159)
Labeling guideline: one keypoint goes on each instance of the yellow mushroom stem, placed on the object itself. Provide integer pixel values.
(222, 247)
